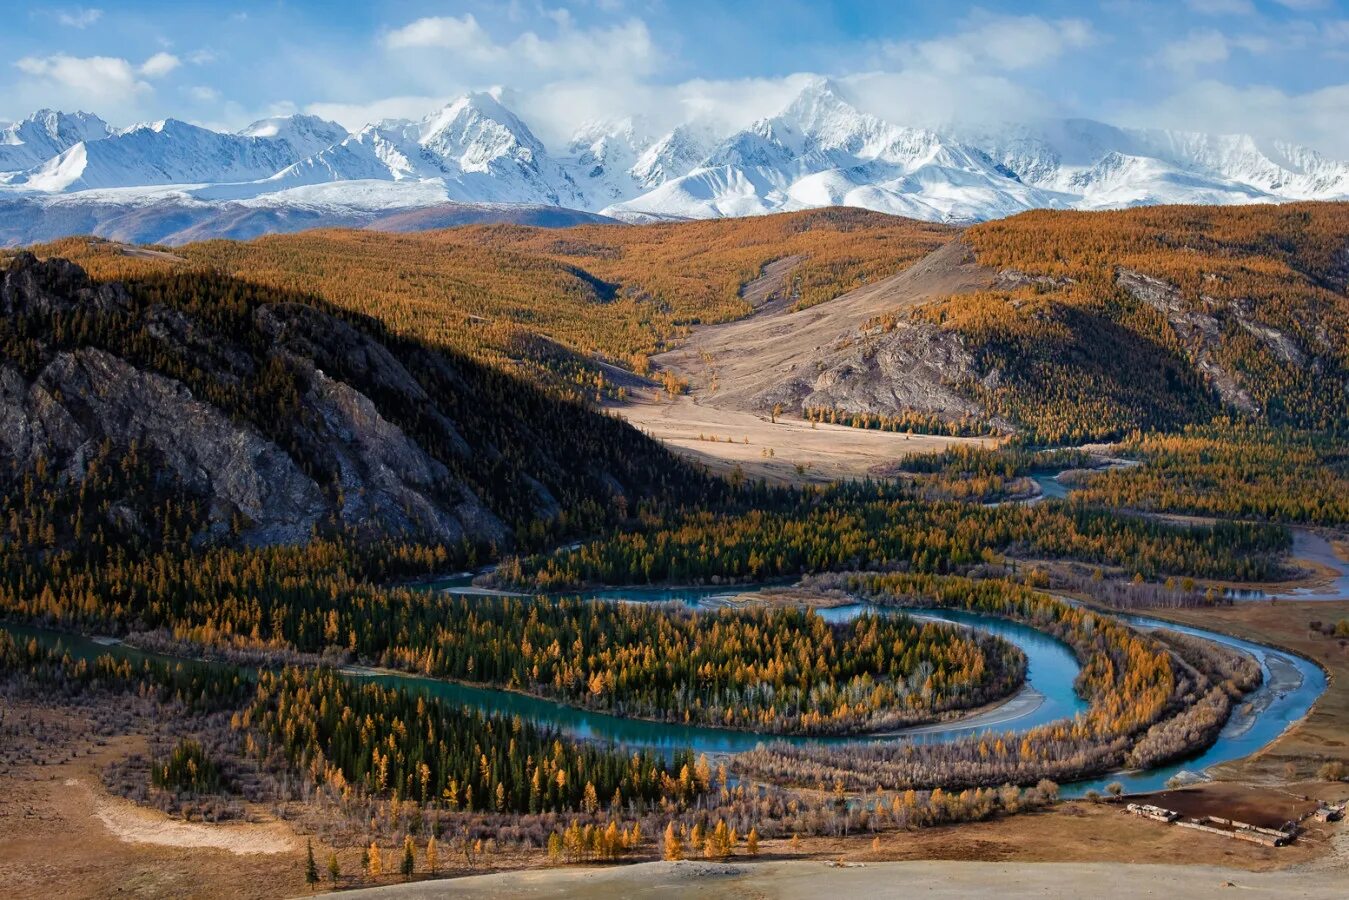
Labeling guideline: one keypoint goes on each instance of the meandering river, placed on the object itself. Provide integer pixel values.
(1292, 684)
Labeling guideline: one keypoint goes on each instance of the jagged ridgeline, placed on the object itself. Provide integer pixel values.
(544, 302)
(1069, 326)
(194, 407)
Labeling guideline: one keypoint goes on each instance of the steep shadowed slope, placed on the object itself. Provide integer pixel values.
(199, 404)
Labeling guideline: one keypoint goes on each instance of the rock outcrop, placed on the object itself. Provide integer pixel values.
(1201, 327)
(911, 367)
(341, 457)
(88, 396)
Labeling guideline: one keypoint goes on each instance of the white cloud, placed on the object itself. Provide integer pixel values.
(159, 65)
(1199, 48)
(1209, 46)
(90, 78)
(353, 116)
(446, 32)
(79, 18)
(110, 84)
(553, 111)
(1314, 119)
(601, 74)
(910, 97)
(932, 100)
(971, 75)
(723, 105)
(625, 47)
(958, 76)
(1303, 5)
(570, 68)
(203, 93)
(994, 43)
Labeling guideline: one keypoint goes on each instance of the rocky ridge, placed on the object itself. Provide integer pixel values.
(279, 419)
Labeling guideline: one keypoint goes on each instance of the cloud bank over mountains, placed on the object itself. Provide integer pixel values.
(171, 181)
(462, 111)
(1273, 70)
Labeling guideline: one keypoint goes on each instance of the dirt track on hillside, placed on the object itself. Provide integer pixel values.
(720, 423)
(754, 354)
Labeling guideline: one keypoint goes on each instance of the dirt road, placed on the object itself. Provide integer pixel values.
(932, 879)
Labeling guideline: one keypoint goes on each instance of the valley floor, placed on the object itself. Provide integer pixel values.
(63, 834)
(787, 451)
(933, 878)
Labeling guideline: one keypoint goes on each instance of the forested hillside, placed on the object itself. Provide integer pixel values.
(1089, 325)
(1100, 323)
(531, 298)
(193, 407)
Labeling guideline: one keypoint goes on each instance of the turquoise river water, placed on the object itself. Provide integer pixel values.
(1291, 686)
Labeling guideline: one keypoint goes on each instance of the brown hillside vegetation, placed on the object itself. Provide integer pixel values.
(619, 292)
(798, 359)
(1152, 317)
(1064, 326)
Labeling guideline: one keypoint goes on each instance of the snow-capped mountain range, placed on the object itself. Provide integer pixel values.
(170, 180)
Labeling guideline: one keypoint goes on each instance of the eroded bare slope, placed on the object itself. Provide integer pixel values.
(826, 356)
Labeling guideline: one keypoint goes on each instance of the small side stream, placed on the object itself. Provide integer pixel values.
(1310, 548)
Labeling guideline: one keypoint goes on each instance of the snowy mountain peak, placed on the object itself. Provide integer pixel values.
(822, 148)
(171, 151)
(297, 128)
(675, 154)
(56, 126)
(473, 149)
(822, 120)
(170, 126)
(634, 130)
(615, 159)
(477, 129)
(44, 134)
(819, 103)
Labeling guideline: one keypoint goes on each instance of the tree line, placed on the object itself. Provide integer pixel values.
(775, 670)
(871, 525)
(1232, 469)
(391, 743)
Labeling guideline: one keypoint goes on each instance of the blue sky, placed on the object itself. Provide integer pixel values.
(1276, 68)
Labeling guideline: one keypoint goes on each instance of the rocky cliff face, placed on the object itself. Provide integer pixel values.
(90, 367)
(83, 398)
(1203, 328)
(911, 367)
(1198, 330)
